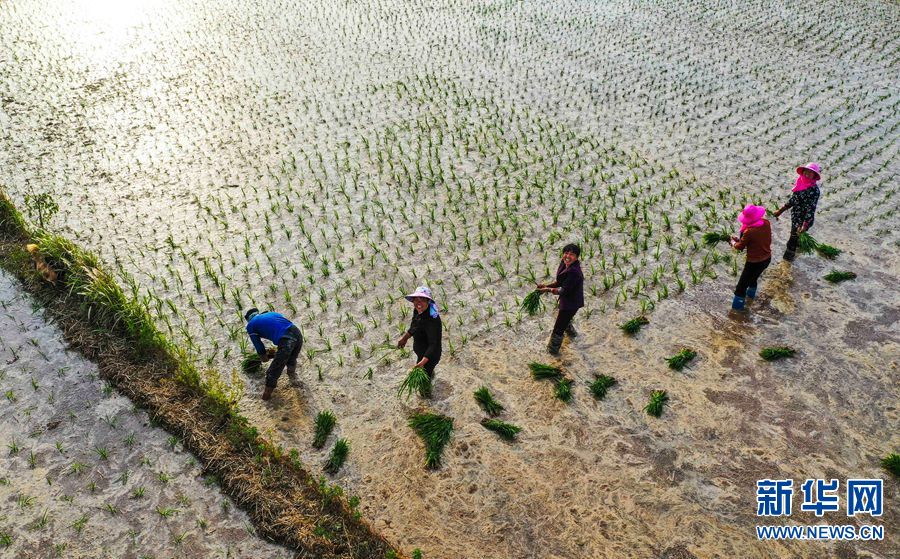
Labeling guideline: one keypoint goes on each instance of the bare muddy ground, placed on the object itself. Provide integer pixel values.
(84, 474)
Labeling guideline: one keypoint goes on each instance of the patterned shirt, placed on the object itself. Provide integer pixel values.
(803, 206)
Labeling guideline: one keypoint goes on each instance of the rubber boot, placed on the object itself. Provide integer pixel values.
(789, 255)
(571, 331)
(737, 303)
(267, 393)
(554, 344)
(751, 292)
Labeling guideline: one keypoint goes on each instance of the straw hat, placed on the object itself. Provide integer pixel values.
(421, 291)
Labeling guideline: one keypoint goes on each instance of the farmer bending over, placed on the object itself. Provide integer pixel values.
(281, 332)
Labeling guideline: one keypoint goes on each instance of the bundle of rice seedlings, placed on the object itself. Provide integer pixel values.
(657, 400)
(806, 243)
(541, 371)
(563, 390)
(325, 422)
(632, 326)
(434, 430)
(600, 385)
(713, 237)
(487, 402)
(507, 431)
(416, 381)
(836, 277)
(680, 359)
(338, 456)
(891, 463)
(827, 251)
(779, 352)
(532, 303)
(251, 363)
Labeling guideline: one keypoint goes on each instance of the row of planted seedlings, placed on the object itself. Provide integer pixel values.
(150, 369)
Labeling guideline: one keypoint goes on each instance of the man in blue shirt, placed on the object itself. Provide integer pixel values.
(281, 332)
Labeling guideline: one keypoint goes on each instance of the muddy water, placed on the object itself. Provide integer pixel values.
(83, 474)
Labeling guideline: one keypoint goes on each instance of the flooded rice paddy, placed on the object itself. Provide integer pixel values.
(323, 158)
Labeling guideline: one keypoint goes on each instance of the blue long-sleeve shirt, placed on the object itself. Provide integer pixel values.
(268, 325)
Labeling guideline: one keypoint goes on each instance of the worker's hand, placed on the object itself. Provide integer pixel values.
(401, 343)
(777, 213)
(265, 357)
(540, 286)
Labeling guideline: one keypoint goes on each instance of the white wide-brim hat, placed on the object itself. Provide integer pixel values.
(421, 291)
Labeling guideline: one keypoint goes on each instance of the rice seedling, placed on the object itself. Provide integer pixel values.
(541, 371)
(338, 456)
(657, 400)
(138, 493)
(325, 422)
(79, 524)
(775, 353)
(836, 276)
(166, 512)
(6, 539)
(563, 389)
(251, 363)
(806, 243)
(507, 431)
(681, 359)
(827, 251)
(532, 303)
(634, 325)
(416, 381)
(891, 463)
(486, 401)
(434, 430)
(714, 237)
(601, 385)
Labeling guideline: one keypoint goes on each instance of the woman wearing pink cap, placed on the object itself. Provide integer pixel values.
(425, 330)
(803, 200)
(756, 238)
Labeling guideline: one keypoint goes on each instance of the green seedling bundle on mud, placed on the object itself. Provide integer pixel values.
(657, 401)
(836, 276)
(418, 381)
(507, 431)
(601, 385)
(806, 243)
(486, 401)
(338, 456)
(562, 389)
(542, 371)
(434, 430)
(325, 422)
(891, 463)
(778, 352)
(634, 325)
(680, 360)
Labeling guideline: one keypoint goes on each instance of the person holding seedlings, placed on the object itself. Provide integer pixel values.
(569, 285)
(803, 200)
(281, 332)
(425, 329)
(756, 238)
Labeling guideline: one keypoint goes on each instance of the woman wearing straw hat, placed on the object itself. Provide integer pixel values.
(425, 330)
(803, 200)
(756, 238)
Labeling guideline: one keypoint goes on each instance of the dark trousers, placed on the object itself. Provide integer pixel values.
(750, 276)
(793, 240)
(563, 318)
(288, 349)
(429, 367)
